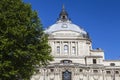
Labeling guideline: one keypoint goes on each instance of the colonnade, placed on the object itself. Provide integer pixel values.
(70, 45)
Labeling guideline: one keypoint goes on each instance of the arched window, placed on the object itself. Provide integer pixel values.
(66, 61)
(66, 75)
(66, 48)
(95, 71)
(58, 49)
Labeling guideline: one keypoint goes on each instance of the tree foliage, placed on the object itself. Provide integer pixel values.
(23, 44)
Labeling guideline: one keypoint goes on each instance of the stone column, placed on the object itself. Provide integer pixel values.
(88, 73)
(103, 74)
(54, 48)
(69, 48)
(61, 48)
(76, 48)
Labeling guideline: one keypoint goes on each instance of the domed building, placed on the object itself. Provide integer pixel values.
(74, 57)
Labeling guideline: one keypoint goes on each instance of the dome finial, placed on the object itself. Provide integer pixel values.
(63, 16)
(63, 7)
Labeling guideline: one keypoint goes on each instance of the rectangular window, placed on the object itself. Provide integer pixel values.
(94, 61)
(73, 50)
(108, 72)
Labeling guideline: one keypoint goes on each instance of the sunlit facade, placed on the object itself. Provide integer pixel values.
(74, 57)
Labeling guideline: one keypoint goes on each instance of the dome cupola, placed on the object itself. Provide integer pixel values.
(64, 24)
(63, 16)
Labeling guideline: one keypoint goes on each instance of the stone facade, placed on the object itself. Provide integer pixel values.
(74, 57)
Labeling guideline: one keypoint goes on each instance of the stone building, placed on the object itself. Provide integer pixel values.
(74, 57)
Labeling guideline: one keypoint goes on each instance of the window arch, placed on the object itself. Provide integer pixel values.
(66, 48)
(66, 61)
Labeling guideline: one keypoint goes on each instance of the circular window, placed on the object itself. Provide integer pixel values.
(64, 26)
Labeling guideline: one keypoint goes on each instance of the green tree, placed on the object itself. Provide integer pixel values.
(23, 43)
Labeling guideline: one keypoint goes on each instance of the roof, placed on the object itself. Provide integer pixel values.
(64, 26)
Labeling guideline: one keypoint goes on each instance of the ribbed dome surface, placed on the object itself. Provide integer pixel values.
(64, 26)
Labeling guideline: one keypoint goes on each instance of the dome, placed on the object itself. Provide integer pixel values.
(64, 26)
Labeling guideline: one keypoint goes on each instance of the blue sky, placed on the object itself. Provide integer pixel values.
(100, 18)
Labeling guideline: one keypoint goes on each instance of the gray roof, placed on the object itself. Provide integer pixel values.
(64, 26)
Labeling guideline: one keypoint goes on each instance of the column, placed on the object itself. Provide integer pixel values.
(54, 48)
(69, 48)
(61, 48)
(88, 73)
(79, 48)
(103, 74)
(44, 76)
(76, 48)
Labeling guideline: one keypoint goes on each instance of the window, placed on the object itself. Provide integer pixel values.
(94, 61)
(73, 50)
(66, 48)
(66, 61)
(63, 17)
(58, 49)
(112, 64)
(66, 75)
(108, 72)
(116, 72)
(81, 70)
(64, 26)
(95, 71)
(51, 70)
